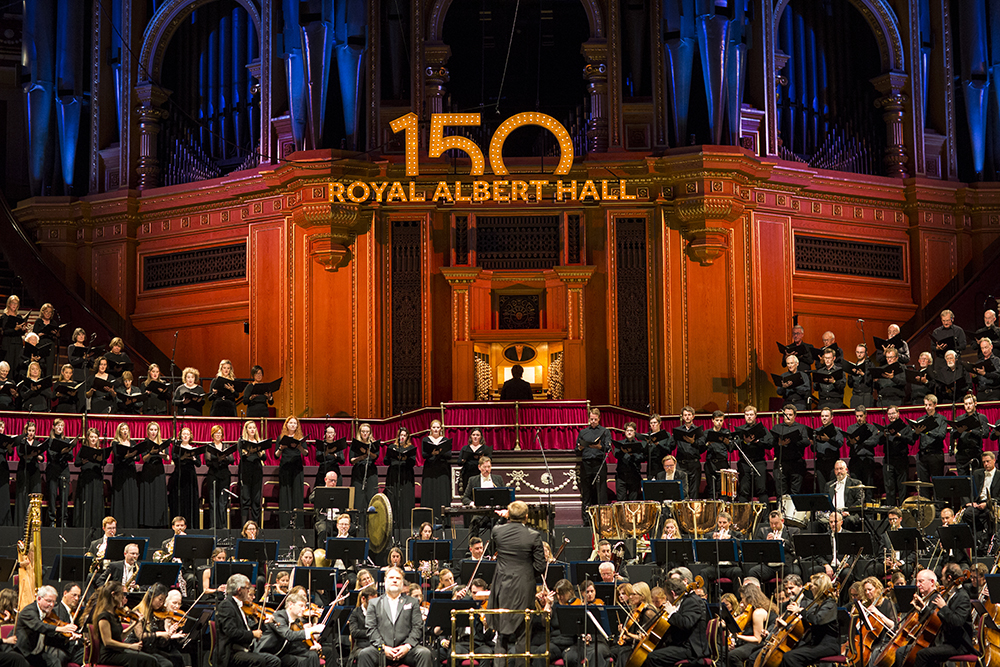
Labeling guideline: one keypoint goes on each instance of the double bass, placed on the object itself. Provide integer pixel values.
(651, 640)
(866, 631)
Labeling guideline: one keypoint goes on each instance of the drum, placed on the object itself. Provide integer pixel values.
(793, 518)
(637, 518)
(746, 515)
(697, 516)
(603, 522)
(730, 482)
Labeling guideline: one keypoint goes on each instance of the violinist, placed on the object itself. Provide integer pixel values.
(955, 614)
(686, 638)
(64, 610)
(759, 613)
(562, 645)
(823, 636)
(292, 448)
(157, 630)
(641, 617)
(292, 637)
(8, 609)
(236, 631)
(589, 592)
(483, 639)
(114, 650)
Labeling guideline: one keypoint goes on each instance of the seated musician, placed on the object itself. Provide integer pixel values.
(325, 518)
(235, 634)
(179, 525)
(896, 561)
(124, 571)
(671, 531)
(822, 639)
(604, 555)
(35, 636)
(560, 643)
(590, 592)
(686, 638)
(97, 548)
(775, 530)
(879, 606)
(483, 638)
(484, 480)
(288, 635)
(394, 627)
(65, 610)
(356, 623)
(985, 488)
(726, 569)
(843, 493)
(218, 555)
(158, 635)
(759, 613)
(960, 556)
(642, 615)
(608, 574)
(955, 613)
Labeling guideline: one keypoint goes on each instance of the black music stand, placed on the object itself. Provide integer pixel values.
(615, 614)
(812, 503)
(222, 570)
(905, 539)
(487, 568)
(813, 546)
(955, 489)
(116, 547)
(258, 551)
(586, 569)
(957, 536)
(350, 550)
(439, 613)
(314, 578)
(762, 552)
(499, 496)
(993, 585)
(556, 572)
(430, 550)
(193, 547)
(680, 552)
(333, 497)
(605, 590)
(65, 568)
(7, 568)
(854, 544)
(662, 490)
(904, 596)
(157, 573)
(578, 620)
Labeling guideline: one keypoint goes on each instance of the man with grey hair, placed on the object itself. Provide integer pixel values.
(34, 635)
(394, 627)
(948, 336)
(901, 346)
(235, 635)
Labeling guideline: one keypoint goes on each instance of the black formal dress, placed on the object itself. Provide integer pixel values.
(628, 474)
(251, 481)
(34, 400)
(64, 399)
(217, 481)
(327, 462)
(290, 486)
(29, 476)
(186, 464)
(399, 482)
(257, 404)
(120, 657)
(125, 488)
(101, 402)
(364, 473)
(153, 493)
(468, 459)
(435, 489)
(223, 401)
(5, 516)
(11, 344)
(57, 479)
(155, 399)
(189, 401)
(88, 511)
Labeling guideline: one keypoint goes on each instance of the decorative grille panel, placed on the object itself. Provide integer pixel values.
(407, 368)
(633, 334)
(461, 240)
(517, 242)
(850, 258)
(193, 267)
(519, 311)
(573, 235)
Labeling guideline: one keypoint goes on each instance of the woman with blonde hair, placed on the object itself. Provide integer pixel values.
(824, 637)
(752, 633)
(218, 478)
(34, 398)
(47, 330)
(222, 391)
(153, 481)
(13, 327)
(252, 449)
(435, 487)
(155, 393)
(118, 361)
(189, 398)
(364, 473)
(187, 458)
(292, 448)
(642, 615)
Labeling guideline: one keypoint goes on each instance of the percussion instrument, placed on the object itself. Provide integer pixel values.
(792, 517)
(918, 512)
(635, 518)
(730, 482)
(697, 516)
(602, 521)
(746, 515)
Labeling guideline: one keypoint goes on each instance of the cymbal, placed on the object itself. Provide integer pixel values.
(860, 486)
(918, 484)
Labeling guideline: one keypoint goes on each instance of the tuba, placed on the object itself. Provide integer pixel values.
(29, 553)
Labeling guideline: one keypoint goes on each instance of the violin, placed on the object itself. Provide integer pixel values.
(174, 616)
(126, 615)
(741, 620)
(258, 611)
(52, 618)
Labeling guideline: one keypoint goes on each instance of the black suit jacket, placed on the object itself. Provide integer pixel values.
(688, 627)
(956, 621)
(383, 632)
(978, 476)
(280, 639)
(520, 558)
(114, 572)
(92, 550)
(234, 634)
(516, 389)
(29, 627)
(475, 482)
(764, 530)
(852, 497)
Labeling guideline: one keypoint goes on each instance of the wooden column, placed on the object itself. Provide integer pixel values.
(463, 371)
(574, 349)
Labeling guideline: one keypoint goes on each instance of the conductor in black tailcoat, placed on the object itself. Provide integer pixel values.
(520, 558)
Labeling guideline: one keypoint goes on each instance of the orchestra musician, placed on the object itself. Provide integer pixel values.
(641, 617)
(356, 623)
(64, 610)
(760, 614)
(114, 650)
(895, 560)
(251, 472)
(292, 447)
(985, 490)
(822, 638)
(775, 529)
(36, 638)
(686, 638)
(955, 613)
(235, 634)
(288, 635)
(99, 546)
(435, 491)
(218, 556)
(123, 571)
(218, 478)
(844, 493)
(158, 635)
(724, 530)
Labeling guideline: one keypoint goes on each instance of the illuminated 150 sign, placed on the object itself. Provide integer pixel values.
(440, 143)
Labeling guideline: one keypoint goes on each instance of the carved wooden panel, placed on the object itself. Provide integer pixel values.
(407, 366)
(193, 267)
(517, 242)
(852, 258)
(633, 307)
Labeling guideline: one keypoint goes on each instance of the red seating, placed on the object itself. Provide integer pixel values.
(6, 630)
(833, 660)
(969, 659)
(92, 651)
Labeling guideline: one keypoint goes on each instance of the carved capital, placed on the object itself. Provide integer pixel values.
(460, 276)
(345, 221)
(707, 244)
(709, 208)
(574, 276)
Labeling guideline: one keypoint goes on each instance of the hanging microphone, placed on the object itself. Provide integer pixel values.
(861, 320)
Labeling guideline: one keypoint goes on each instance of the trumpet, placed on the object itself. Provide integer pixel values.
(161, 556)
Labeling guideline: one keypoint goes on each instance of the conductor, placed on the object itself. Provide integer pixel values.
(520, 558)
(516, 389)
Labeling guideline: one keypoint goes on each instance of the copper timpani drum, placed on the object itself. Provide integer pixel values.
(637, 518)
(697, 516)
(603, 521)
(730, 482)
(746, 515)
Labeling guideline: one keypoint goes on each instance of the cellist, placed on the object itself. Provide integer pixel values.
(823, 636)
(955, 613)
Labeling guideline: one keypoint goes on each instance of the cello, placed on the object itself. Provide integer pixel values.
(780, 642)
(658, 630)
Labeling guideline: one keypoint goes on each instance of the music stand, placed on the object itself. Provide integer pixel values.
(680, 552)
(116, 547)
(333, 497)
(813, 546)
(854, 544)
(993, 584)
(904, 539)
(716, 551)
(314, 578)
(499, 496)
(350, 550)
(487, 568)
(65, 568)
(762, 552)
(557, 571)
(957, 536)
(662, 490)
(904, 596)
(605, 590)
(812, 503)
(577, 620)
(439, 613)
(193, 547)
(222, 570)
(954, 489)
(258, 551)
(615, 615)
(428, 550)
(7, 568)
(157, 573)
(586, 569)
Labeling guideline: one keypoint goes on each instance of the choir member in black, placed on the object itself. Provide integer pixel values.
(114, 650)
(33, 397)
(218, 478)
(435, 487)
(251, 472)
(719, 443)
(286, 636)
(930, 455)
(102, 398)
(990, 330)
(64, 398)
(291, 449)
(57, 475)
(48, 332)
(986, 373)
(155, 393)
(951, 380)
(948, 336)
(823, 637)
(153, 511)
(79, 353)
(8, 388)
(31, 456)
(593, 443)
(859, 379)
(897, 437)
(88, 507)
(327, 456)
(922, 379)
(631, 454)
(890, 380)
(129, 396)
(7, 446)
(118, 361)
(257, 404)
(796, 394)
(752, 633)
(901, 346)
(790, 440)
(124, 479)
(686, 638)
(30, 352)
(862, 439)
(222, 392)
(827, 441)
(187, 458)
(401, 457)
(754, 440)
(955, 613)
(798, 339)
(830, 382)
(690, 443)
(468, 458)
(13, 327)
(967, 441)
(189, 398)
(158, 635)
(658, 446)
(364, 473)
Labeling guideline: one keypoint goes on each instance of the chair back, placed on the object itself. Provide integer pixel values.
(213, 635)
(92, 648)
(6, 630)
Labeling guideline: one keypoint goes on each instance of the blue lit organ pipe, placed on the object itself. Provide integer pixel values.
(69, 103)
(799, 99)
(37, 59)
(975, 81)
(787, 103)
(351, 29)
(317, 48)
(812, 78)
(713, 42)
(736, 65)
(679, 49)
(926, 46)
(225, 83)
